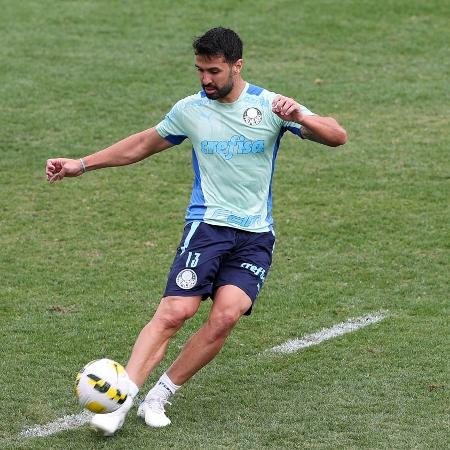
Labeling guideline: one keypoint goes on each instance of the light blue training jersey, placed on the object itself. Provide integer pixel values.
(234, 147)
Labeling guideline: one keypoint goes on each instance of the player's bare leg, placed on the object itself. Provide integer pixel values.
(229, 304)
(151, 344)
(148, 350)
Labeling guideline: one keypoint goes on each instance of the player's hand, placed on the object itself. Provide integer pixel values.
(287, 109)
(57, 169)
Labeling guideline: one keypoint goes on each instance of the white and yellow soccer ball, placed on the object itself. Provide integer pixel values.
(102, 386)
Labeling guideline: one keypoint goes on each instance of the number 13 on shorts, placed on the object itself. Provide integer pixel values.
(192, 259)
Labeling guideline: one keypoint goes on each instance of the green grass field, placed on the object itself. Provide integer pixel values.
(360, 229)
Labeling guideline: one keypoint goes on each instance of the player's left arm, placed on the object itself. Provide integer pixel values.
(325, 130)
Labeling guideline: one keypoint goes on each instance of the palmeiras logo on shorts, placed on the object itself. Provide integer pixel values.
(252, 116)
(186, 279)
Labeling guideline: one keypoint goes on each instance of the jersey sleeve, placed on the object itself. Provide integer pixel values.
(295, 127)
(172, 127)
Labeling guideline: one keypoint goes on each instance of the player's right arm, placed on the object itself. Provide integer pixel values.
(132, 149)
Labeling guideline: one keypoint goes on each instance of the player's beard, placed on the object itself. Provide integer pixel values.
(220, 92)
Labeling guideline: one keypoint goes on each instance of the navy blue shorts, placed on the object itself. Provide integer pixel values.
(211, 256)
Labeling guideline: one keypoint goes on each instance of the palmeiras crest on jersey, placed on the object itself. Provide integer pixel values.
(186, 279)
(252, 116)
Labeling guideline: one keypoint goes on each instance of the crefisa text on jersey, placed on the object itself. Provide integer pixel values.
(236, 145)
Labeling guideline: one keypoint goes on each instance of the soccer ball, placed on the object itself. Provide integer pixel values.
(102, 386)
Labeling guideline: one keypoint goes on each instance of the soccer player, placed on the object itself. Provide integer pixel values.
(226, 248)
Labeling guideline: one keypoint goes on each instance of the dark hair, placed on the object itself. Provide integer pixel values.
(219, 42)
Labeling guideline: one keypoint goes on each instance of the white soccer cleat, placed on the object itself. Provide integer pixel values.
(153, 412)
(109, 423)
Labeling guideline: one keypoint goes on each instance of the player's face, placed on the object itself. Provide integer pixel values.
(216, 75)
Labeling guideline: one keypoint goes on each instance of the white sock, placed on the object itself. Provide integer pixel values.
(132, 389)
(164, 388)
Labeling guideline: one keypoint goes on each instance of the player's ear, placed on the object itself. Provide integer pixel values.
(237, 66)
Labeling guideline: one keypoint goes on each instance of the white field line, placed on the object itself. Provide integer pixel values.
(77, 420)
(61, 424)
(329, 333)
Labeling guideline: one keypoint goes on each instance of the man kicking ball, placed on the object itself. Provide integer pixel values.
(226, 248)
